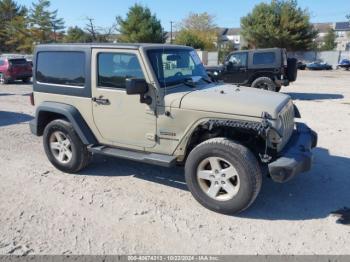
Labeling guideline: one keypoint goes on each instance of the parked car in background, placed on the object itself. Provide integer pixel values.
(12, 69)
(345, 63)
(319, 65)
(268, 69)
(301, 65)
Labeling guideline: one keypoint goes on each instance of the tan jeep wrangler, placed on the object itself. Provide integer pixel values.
(155, 104)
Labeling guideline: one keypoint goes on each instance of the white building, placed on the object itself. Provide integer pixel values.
(231, 36)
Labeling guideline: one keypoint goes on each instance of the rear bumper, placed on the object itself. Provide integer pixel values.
(21, 76)
(297, 157)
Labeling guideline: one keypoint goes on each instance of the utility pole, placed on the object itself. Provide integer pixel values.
(171, 32)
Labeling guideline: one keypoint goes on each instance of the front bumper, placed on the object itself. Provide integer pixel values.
(296, 157)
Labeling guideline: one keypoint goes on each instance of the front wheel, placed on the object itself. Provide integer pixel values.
(223, 176)
(64, 148)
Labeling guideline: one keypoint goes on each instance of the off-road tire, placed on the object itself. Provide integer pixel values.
(241, 158)
(292, 69)
(264, 83)
(80, 155)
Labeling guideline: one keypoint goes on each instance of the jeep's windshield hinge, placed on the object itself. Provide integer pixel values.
(151, 137)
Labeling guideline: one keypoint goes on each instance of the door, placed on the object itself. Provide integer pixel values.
(120, 118)
(236, 68)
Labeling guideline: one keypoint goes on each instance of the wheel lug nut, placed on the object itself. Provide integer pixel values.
(216, 183)
(223, 182)
(223, 175)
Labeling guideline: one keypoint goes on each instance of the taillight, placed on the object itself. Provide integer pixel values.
(31, 97)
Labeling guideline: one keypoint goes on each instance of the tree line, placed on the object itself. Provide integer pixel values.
(21, 27)
(280, 23)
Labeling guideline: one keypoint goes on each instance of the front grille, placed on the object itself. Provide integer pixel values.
(287, 117)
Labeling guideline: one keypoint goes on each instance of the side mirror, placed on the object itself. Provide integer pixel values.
(229, 64)
(136, 86)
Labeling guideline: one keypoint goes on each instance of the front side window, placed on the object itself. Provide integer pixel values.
(62, 68)
(174, 66)
(239, 59)
(264, 58)
(114, 69)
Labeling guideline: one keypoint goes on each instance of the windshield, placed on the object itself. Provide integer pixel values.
(175, 66)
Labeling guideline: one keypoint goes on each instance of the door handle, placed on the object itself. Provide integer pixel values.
(101, 101)
(243, 69)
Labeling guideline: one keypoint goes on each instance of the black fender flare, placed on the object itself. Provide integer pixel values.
(259, 128)
(69, 112)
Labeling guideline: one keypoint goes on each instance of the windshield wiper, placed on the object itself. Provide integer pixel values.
(189, 82)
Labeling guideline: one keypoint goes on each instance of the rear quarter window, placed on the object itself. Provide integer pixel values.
(2, 62)
(264, 58)
(61, 68)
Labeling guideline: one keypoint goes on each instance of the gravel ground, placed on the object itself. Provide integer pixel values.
(121, 207)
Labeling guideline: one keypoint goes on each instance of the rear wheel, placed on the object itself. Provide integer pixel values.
(26, 80)
(223, 176)
(264, 83)
(64, 148)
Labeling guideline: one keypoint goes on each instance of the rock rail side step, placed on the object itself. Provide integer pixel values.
(149, 158)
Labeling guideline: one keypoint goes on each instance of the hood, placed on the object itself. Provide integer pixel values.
(230, 99)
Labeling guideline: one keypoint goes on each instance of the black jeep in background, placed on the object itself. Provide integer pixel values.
(268, 69)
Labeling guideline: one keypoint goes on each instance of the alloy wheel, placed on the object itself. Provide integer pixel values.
(218, 178)
(61, 147)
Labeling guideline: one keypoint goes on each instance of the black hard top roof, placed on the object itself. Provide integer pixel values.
(108, 45)
(274, 49)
